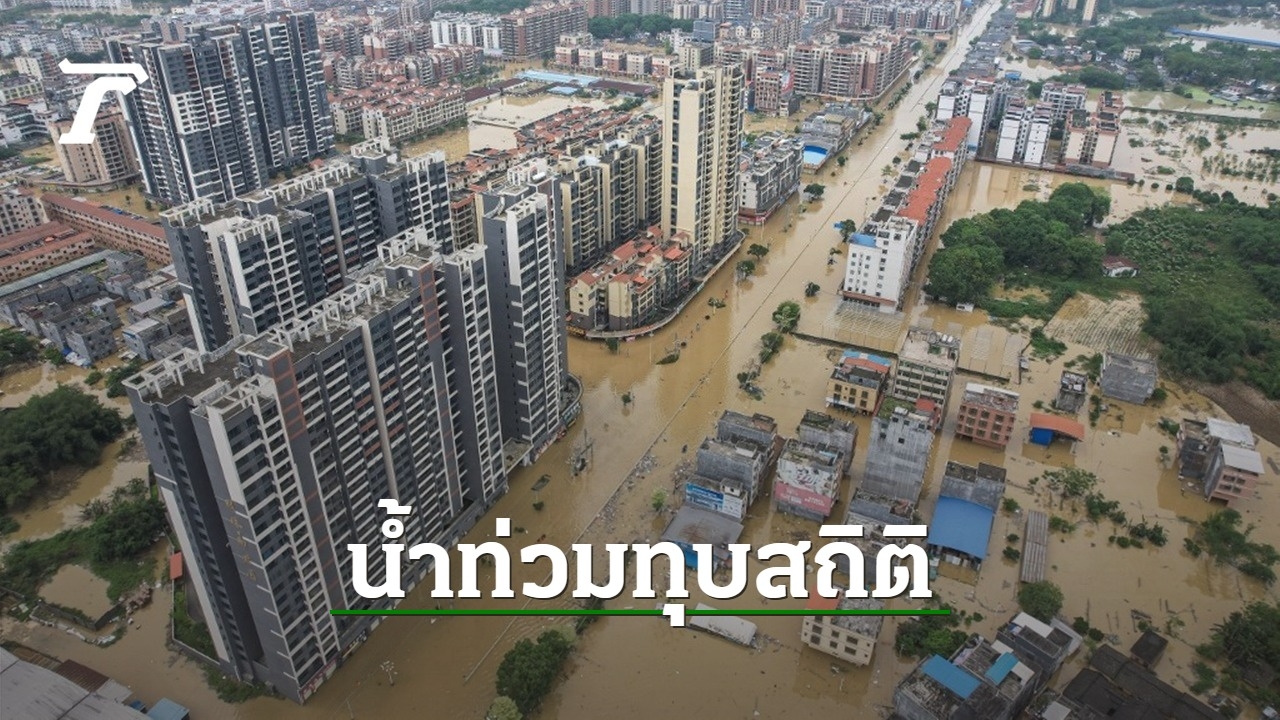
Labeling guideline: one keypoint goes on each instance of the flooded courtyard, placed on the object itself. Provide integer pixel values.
(640, 668)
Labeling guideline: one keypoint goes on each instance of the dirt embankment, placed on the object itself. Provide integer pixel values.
(1247, 405)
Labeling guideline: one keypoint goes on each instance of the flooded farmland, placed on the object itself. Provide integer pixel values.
(639, 668)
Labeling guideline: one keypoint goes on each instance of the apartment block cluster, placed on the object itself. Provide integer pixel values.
(864, 70)
(346, 351)
(397, 109)
(581, 52)
(910, 15)
(884, 253)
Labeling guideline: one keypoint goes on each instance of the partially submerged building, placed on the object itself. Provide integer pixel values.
(1046, 428)
(808, 480)
(819, 428)
(1073, 390)
(1222, 455)
(1128, 378)
(1148, 649)
(1114, 686)
(858, 382)
(960, 530)
(987, 415)
(851, 638)
(898, 453)
(986, 680)
(925, 366)
(731, 466)
(694, 526)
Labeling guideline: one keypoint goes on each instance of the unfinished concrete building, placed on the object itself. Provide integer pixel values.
(808, 480)
(823, 430)
(1073, 390)
(925, 366)
(728, 477)
(872, 513)
(759, 429)
(1128, 378)
(898, 453)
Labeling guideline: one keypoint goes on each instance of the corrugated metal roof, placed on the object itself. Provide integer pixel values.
(952, 678)
(1242, 459)
(961, 525)
(1058, 424)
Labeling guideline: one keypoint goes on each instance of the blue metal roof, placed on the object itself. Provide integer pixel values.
(867, 356)
(863, 240)
(999, 669)
(961, 525)
(952, 678)
(167, 709)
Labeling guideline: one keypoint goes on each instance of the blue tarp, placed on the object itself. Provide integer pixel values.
(999, 669)
(952, 678)
(863, 240)
(961, 525)
(1041, 436)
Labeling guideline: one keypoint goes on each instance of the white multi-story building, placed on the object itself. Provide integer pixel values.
(878, 267)
(1039, 124)
(474, 29)
(702, 122)
(92, 5)
(1008, 147)
(1062, 99)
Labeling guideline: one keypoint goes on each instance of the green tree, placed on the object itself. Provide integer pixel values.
(757, 250)
(770, 343)
(15, 348)
(658, 500)
(612, 344)
(504, 708)
(1041, 600)
(746, 268)
(964, 274)
(815, 190)
(811, 289)
(848, 227)
(786, 316)
(529, 669)
(1184, 185)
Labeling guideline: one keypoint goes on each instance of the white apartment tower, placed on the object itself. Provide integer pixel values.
(702, 121)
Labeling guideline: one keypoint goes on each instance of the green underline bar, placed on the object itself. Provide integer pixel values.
(626, 612)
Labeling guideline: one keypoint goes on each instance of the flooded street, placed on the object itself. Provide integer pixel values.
(640, 668)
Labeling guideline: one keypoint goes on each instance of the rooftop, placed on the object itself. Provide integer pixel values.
(930, 348)
(1230, 433)
(1242, 459)
(865, 625)
(990, 397)
(694, 526)
(1149, 647)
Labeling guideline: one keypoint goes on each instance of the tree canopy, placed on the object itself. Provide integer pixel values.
(529, 669)
(64, 427)
(624, 26)
(15, 348)
(1041, 600)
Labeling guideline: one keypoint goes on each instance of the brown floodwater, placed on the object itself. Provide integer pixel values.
(640, 667)
(77, 587)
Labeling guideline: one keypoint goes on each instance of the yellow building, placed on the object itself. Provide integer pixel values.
(851, 638)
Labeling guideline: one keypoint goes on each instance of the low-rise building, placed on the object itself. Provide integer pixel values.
(26, 252)
(19, 211)
(808, 480)
(1073, 390)
(1128, 378)
(1116, 686)
(730, 466)
(898, 452)
(926, 365)
(110, 227)
(987, 415)
(858, 382)
(769, 175)
(960, 530)
(822, 430)
(851, 638)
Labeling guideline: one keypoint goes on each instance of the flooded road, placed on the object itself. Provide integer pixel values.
(639, 668)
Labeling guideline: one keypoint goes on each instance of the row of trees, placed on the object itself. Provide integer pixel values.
(15, 349)
(625, 26)
(1043, 237)
(64, 427)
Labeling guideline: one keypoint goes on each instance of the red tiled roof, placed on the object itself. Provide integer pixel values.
(175, 566)
(1058, 424)
(101, 213)
(955, 134)
(817, 602)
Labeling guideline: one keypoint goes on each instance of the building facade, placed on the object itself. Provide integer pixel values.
(227, 107)
(987, 415)
(107, 161)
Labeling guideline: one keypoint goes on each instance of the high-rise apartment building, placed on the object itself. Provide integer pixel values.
(702, 122)
(245, 267)
(109, 159)
(534, 31)
(271, 457)
(226, 107)
(521, 234)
